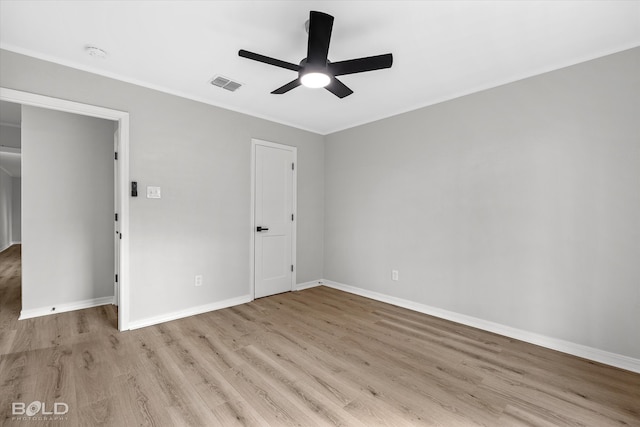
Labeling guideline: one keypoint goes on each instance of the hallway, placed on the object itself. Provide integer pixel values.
(10, 295)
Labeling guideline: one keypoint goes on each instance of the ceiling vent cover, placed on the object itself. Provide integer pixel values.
(225, 83)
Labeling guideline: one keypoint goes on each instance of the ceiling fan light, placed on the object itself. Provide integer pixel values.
(315, 80)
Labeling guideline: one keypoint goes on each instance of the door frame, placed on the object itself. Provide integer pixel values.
(116, 224)
(294, 151)
(122, 118)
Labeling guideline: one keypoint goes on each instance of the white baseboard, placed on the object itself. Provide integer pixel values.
(155, 320)
(2, 249)
(61, 308)
(307, 285)
(597, 355)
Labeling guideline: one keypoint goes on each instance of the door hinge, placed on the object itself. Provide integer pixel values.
(293, 167)
(116, 155)
(116, 278)
(291, 267)
(120, 236)
(116, 217)
(291, 217)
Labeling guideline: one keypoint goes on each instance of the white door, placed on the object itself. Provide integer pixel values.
(274, 218)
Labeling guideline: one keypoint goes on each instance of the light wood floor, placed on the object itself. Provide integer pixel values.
(315, 357)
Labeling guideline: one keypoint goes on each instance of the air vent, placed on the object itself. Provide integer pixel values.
(225, 83)
(220, 81)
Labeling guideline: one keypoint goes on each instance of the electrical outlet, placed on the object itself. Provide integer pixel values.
(198, 281)
(394, 275)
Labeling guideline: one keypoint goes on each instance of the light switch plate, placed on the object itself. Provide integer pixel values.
(153, 193)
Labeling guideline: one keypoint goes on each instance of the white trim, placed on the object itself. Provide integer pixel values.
(7, 172)
(62, 308)
(155, 320)
(10, 125)
(307, 285)
(12, 150)
(294, 238)
(294, 226)
(565, 63)
(324, 132)
(597, 355)
(124, 294)
(26, 98)
(252, 234)
(35, 100)
(159, 88)
(2, 249)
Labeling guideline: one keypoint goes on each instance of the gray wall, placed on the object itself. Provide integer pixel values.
(16, 210)
(200, 156)
(10, 136)
(518, 205)
(6, 210)
(68, 197)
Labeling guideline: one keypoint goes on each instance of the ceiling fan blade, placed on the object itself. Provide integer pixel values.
(338, 88)
(268, 60)
(361, 65)
(320, 26)
(286, 88)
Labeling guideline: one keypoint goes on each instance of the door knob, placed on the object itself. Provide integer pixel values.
(261, 229)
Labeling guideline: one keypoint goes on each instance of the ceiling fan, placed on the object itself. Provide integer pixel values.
(316, 70)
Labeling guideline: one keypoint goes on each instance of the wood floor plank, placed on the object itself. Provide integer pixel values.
(7, 336)
(238, 413)
(381, 413)
(91, 370)
(17, 381)
(317, 357)
(306, 367)
(200, 372)
(266, 398)
(139, 402)
(180, 398)
(299, 392)
(104, 412)
(368, 375)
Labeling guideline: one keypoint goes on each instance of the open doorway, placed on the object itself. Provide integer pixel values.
(10, 174)
(118, 270)
(10, 216)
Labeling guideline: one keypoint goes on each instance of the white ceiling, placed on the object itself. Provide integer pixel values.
(442, 49)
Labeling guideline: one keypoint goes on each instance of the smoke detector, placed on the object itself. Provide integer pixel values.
(96, 52)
